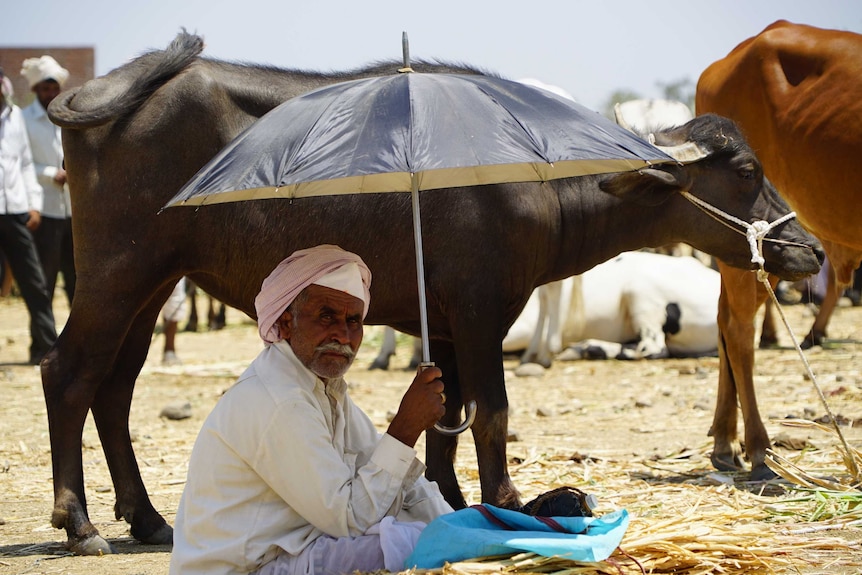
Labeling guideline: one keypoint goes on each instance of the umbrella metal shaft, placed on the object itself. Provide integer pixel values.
(423, 310)
(420, 270)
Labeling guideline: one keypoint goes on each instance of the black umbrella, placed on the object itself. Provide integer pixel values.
(410, 132)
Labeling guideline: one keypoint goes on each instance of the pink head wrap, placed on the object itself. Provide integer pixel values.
(295, 273)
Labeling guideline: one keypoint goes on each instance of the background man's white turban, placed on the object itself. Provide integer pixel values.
(325, 265)
(44, 68)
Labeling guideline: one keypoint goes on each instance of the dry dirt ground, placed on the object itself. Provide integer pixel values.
(632, 433)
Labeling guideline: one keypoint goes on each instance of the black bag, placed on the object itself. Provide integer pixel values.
(561, 502)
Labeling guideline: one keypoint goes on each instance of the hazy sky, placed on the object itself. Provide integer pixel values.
(589, 48)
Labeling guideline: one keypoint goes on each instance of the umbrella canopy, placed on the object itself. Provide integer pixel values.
(415, 131)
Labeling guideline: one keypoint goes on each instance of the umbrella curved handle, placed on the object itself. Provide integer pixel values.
(471, 409)
(471, 417)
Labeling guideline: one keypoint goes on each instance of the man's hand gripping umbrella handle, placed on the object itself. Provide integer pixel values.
(471, 413)
(423, 307)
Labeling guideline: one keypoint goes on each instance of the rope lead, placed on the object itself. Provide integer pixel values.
(755, 232)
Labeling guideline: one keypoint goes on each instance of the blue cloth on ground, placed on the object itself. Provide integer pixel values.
(469, 533)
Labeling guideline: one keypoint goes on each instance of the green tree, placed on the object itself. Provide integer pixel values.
(681, 90)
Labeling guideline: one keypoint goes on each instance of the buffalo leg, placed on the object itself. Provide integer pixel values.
(74, 373)
(487, 386)
(191, 293)
(824, 314)
(68, 391)
(479, 355)
(219, 318)
(416, 356)
(110, 409)
(768, 333)
(440, 450)
(741, 296)
(387, 350)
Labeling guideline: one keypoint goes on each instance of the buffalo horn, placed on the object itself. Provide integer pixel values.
(683, 153)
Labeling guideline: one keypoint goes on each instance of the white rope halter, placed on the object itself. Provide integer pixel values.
(755, 232)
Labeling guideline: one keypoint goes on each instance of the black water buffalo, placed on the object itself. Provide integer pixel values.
(133, 138)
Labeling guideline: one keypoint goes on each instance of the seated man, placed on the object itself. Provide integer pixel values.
(287, 475)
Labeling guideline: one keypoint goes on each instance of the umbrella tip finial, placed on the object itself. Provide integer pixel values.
(405, 50)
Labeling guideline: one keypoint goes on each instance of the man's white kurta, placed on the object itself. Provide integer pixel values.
(282, 460)
(19, 190)
(46, 146)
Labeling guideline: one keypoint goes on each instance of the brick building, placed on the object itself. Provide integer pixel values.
(80, 62)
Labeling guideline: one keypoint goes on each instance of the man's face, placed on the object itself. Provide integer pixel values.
(325, 331)
(45, 91)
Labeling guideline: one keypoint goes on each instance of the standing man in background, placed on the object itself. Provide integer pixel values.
(54, 236)
(20, 215)
(6, 279)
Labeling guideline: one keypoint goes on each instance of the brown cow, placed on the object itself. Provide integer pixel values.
(796, 92)
(135, 136)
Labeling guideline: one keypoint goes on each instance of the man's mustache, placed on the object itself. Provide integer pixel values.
(341, 348)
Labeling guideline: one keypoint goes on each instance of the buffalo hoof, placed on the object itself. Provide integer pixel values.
(94, 545)
(379, 364)
(762, 473)
(164, 535)
(727, 462)
(813, 338)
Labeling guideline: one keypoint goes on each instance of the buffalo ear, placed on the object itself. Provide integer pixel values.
(648, 186)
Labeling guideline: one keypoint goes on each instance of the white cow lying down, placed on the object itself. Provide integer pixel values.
(637, 305)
